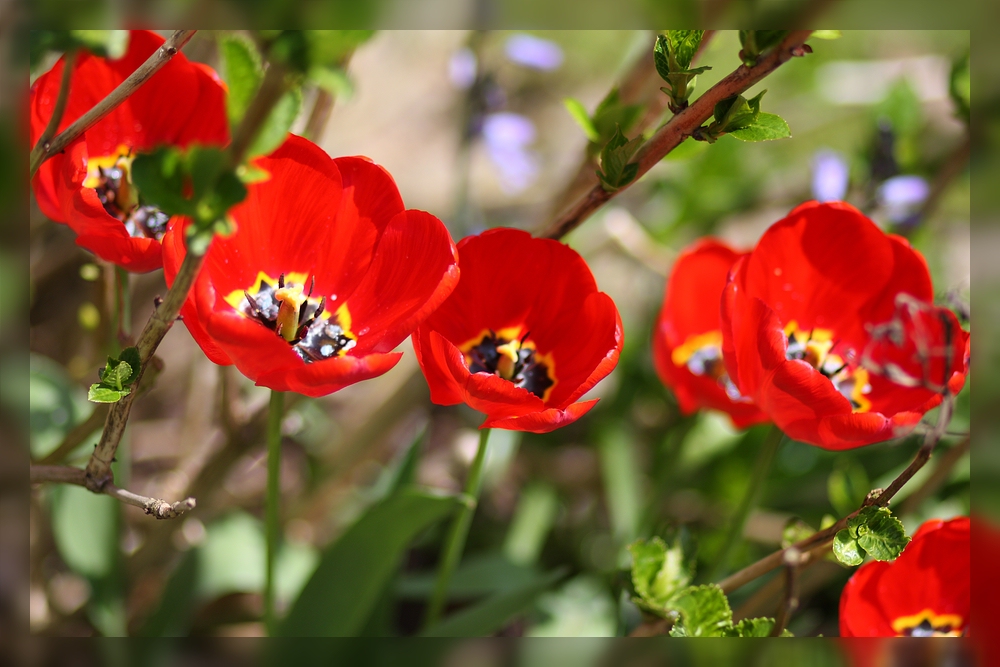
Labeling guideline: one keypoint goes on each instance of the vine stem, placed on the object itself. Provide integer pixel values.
(765, 459)
(679, 128)
(43, 150)
(35, 159)
(457, 533)
(272, 518)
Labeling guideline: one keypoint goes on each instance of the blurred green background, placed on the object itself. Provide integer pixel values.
(557, 509)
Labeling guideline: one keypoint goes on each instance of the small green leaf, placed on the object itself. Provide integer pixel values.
(85, 529)
(616, 172)
(610, 115)
(249, 173)
(579, 114)
(130, 355)
(115, 373)
(683, 45)
(846, 549)
(795, 530)
(826, 34)
(658, 573)
(661, 57)
(879, 533)
(766, 127)
(274, 130)
(757, 42)
(755, 627)
(242, 72)
(101, 394)
(333, 80)
(704, 612)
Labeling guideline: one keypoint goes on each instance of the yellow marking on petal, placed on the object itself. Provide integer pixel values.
(508, 354)
(953, 621)
(94, 164)
(683, 352)
(861, 387)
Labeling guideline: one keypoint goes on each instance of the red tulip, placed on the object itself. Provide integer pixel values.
(687, 343)
(88, 185)
(924, 592)
(829, 326)
(524, 335)
(325, 274)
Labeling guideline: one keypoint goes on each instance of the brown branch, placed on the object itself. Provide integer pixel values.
(160, 509)
(937, 477)
(680, 127)
(44, 150)
(57, 111)
(320, 114)
(641, 84)
(879, 498)
(792, 558)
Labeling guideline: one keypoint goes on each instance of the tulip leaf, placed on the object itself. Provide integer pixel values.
(616, 172)
(846, 549)
(766, 126)
(704, 612)
(879, 533)
(354, 570)
(493, 613)
(658, 573)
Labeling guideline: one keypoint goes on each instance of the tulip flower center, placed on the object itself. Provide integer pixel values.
(110, 176)
(928, 624)
(511, 356)
(817, 348)
(702, 355)
(290, 311)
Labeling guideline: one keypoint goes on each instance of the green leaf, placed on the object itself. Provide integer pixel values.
(757, 42)
(704, 612)
(960, 86)
(85, 529)
(582, 118)
(683, 45)
(658, 573)
(615, 171)
(242, 72)
(846, 549)
(274, 130)
(493, 613)
(248, 173)
(610, 115)
(795, 530)
(766, 127)
(101, 394)
(105, 43)
(826, 34)
(130, 355)
(174, 613)
(353, 571)
(755, 627)
(661, 57)
(477, 576)
(879, 533)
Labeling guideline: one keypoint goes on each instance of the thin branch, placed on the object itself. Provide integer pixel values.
(57, 111)
(160, 509)
(44, 150)
(792, 558)
(680, 127)
(937, 477)
(99, 467)
(879, 498)
(640, 85)
(320, 114)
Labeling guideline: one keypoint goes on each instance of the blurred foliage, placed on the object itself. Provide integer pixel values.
(548, 553)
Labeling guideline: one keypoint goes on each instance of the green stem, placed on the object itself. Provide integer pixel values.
(273, 501)
(455, 541)
(765, 457)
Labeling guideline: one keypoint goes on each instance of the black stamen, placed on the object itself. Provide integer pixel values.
(312, 284)
(281, 281)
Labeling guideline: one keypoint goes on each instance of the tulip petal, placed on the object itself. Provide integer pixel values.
(544, 421)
